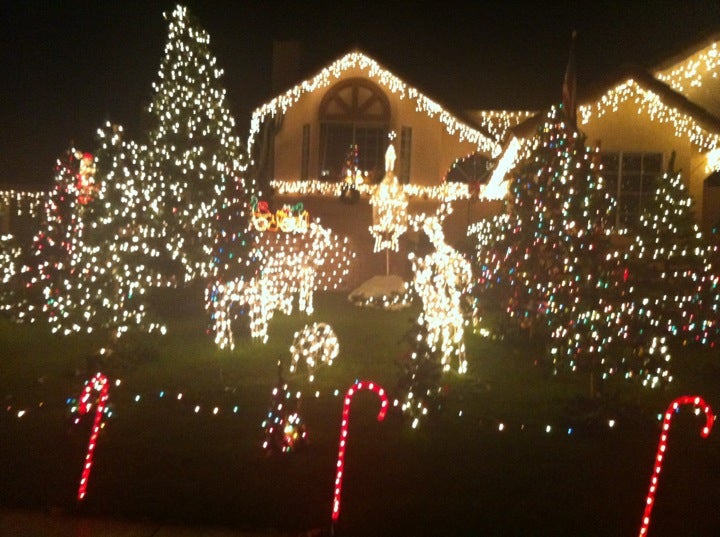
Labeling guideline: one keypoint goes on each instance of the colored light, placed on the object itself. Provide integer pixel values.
(662, 447)
(98, 383)
(361, 385)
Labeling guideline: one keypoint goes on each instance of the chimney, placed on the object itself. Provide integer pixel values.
(286, 65)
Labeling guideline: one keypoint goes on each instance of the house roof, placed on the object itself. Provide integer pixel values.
(456, 123)
(669, 96)
(685, 52)
(646, 82)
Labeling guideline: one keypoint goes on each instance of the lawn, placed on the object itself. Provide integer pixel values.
(513, 450)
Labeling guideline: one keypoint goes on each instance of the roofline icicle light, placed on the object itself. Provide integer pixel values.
(358, 60)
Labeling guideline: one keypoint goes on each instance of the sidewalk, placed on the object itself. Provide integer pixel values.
(17, 523)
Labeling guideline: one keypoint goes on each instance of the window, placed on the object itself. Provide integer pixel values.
(632, 179)
(305, 159)
(405, 147)
(355, 111)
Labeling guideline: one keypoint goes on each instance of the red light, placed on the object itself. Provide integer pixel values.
(344, 432)
(100, 383)
(662, 446)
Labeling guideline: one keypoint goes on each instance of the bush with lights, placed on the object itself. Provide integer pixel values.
(51, 260)
(10, 253)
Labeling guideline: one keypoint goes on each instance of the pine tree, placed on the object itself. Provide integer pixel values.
(119, 258)
(672, 265)
(50, 263)
(420, 374)
(194, 151)
(10, 253)
(550, 264)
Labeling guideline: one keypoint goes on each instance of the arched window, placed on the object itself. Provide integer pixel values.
(353, 112)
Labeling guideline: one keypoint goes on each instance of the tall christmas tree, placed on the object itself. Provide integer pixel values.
(194, 151)
(550, 262)
(118, 259)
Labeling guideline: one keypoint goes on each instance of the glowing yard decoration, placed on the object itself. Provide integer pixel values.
(290, 264)
(363, 385)
(98, 383)
(389, 205)
(283, 426)
(288, 219)
(314, 345)
(440, 279)
(698, 402)
(497, 186)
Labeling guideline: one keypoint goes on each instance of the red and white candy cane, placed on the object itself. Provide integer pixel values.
(362, 385)
(99, 383)
(662, 446)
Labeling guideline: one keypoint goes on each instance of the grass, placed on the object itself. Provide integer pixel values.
(457, 474)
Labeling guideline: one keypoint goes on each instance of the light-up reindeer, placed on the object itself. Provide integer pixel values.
(440, 279)
(290, 264)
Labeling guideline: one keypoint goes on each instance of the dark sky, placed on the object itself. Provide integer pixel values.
(68, 66)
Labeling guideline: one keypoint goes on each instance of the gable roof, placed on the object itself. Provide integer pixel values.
(373, 70)
(662, 103)
(685, 53)
(659, 101)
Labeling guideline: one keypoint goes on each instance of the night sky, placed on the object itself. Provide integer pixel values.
(69, 67)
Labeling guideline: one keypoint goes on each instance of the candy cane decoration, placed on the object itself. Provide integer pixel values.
(344, 432)
(100, 383)
(662, 446)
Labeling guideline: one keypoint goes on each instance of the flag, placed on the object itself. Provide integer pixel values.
(569, 86)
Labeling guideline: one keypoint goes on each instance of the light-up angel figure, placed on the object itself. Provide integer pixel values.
(389, 204)
(440, 279)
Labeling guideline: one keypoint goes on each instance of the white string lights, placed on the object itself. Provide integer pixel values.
(650, 103)
(389, 205)
(357, 60)
(441, 279)
(316, 344)
(290, 264)
(693, 71)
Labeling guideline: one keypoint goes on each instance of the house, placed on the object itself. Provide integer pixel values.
(304, 133)
(302, 140)
(647, 122)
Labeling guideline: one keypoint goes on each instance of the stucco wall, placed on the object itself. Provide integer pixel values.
(626, 130)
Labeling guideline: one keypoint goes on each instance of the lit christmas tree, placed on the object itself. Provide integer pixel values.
(283, 428)
(352, 176)
(117, 261)
(551, 265)
(10, 253)
(420, 372)
(672, 265)
(50, 262)
(194, 152)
